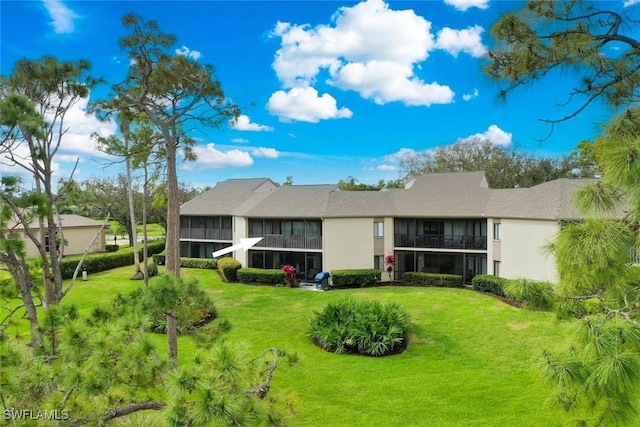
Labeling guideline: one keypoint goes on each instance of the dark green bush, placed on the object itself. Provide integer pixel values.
(152, 269)
(185, 297)
(111, 248)
(363, 327)
(433, 279)
(488, 283)
(229, 267)
(97, 262)
(355, 278)
(260, 275)
(203, 263)
(532, 294)
(159, 259)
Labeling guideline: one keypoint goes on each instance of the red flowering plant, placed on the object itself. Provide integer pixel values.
(289, 275)
(390, 262)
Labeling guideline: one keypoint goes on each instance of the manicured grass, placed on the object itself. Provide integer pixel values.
(470, 361)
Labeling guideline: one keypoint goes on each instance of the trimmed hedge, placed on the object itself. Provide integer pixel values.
(203, 263)
(488, 283)
(260, 275)
(229, 267)
(357, 277)
(97, 262)
(433, 279)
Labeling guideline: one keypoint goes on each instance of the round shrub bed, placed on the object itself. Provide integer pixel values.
(368, 328)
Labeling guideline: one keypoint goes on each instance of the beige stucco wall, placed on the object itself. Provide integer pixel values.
(240, 230)
(522, 249)
(348, 243)
(77, 241)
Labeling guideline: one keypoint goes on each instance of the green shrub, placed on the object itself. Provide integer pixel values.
(433, 279)
(8, 288)
(363, 327)
(229, 267)
(260, 275)
(355, 278)
(97, 262)
(160, 259)
(111, 248)
(532, 294)
(189, 302)
(202, 263)
(488, 283)
(152, 269)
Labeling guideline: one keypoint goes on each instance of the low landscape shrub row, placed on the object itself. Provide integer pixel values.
(97, 262)
(228, 268)
(532, 294)
(355, 278)
(260, 275)
(488, 283)
(204, 263)
(433, 279)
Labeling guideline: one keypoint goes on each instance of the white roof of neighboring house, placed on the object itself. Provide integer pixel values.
(443, 195)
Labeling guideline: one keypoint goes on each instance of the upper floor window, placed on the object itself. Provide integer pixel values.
(496, 231)
(378, 229)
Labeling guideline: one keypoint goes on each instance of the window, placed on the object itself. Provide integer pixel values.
(496, 231)
(378, 229)
(496, 268)
(378, 262)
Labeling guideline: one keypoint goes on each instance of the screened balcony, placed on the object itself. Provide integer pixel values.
(291, 234)
(206, 228)
(441, 234)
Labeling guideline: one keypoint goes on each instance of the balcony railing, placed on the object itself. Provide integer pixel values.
(206, 233)
(441, 241)
(288, 241)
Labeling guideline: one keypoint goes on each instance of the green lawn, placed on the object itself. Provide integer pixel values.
(470, 360)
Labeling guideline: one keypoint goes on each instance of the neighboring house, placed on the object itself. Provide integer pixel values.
(78, 233)
(442, 223)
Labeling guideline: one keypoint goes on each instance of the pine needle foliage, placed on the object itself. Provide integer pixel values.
(599, 376)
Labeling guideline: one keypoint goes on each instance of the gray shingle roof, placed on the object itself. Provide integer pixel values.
(454, 195)
(230, 197)
(294, 201)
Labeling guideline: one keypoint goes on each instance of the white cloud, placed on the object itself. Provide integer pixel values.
(303, 104)
(386, 168)
(209, 157)
(463, 5)
(630, 2)
(61, 15)
(79, 126)
(240, 140)
(368, 48)
(191, 54)
(243, 122)
(493, 134)
(270, 153)
(385, 81)
(467, 41)
(400, 154)
(470, 96)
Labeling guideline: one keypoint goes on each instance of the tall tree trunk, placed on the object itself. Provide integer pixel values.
(19, 269)
(172, 339)
(145, 237)
(173, 211)
(137, 274)
(172, 260)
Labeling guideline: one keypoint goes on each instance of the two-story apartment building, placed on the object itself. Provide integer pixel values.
(444, 223)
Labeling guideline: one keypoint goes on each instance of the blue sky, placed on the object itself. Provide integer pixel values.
(328, 89)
